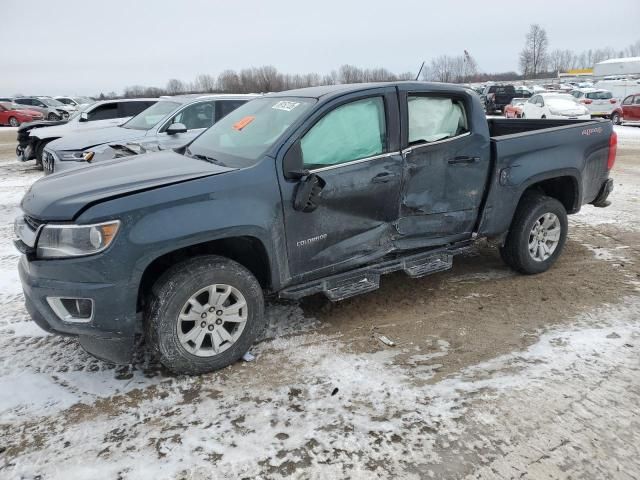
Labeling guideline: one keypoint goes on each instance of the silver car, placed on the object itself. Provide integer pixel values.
(51, 108)
(171, 123)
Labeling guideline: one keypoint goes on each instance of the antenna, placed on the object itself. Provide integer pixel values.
(420, 71)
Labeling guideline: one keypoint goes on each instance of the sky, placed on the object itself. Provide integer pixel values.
(83, 47)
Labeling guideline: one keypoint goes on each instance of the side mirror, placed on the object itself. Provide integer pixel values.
(308, 193)
(84, 117)
(292, 164)
(175, 128)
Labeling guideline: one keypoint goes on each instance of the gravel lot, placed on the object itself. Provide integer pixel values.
(494, 375)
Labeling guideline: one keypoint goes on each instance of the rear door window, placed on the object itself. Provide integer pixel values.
(435, 118)
(103, 112)
(133, 108)
(353, 131)
(225, 107)
(599, 95)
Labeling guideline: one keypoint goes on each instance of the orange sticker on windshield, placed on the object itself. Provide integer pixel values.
(240, 124)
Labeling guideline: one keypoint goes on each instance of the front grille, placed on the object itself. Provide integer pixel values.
(32, 222)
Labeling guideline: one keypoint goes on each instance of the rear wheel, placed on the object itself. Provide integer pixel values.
(204, 314)
(537, 234)
(615, 118)
(13, 121)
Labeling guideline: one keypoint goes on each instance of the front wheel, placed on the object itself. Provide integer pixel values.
(52, 117)
(13, 121)
(204, 314)
(537, 235)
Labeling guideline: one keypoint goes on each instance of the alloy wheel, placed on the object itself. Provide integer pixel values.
(544, 237)
(212, 320)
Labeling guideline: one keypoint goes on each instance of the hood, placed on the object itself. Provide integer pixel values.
(73, 126)
(81, 140)
(62, 196)
(67, 108)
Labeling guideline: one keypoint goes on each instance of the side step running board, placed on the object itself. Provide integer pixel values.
(366, 279)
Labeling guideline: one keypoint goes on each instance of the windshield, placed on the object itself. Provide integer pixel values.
(240, 138)
(51, 102)
(150, 117)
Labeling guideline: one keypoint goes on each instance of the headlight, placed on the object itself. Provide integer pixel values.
(59, 241)
(75, 155)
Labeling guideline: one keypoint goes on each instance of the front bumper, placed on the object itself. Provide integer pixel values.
(110, 333)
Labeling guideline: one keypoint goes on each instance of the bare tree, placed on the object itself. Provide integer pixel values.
(633, 50)
(229, 82)
(349, 74)
(205, 83)
(175, 86)
(533, 57)
(449, 69)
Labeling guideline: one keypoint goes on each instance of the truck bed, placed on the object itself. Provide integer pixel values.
(524, 152)
(499, 127)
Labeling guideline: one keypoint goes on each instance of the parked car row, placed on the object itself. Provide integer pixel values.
(14, 115)
(33, 137)
(172, 122)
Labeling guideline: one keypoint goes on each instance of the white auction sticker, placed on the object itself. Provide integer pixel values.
(285, 105)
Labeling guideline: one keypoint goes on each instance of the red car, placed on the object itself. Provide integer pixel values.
(631, 108)
(14, 116)
(514, 109)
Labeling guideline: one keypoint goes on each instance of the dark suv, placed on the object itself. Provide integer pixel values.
(496, 97)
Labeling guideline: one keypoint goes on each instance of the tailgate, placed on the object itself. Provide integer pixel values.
(578, 150)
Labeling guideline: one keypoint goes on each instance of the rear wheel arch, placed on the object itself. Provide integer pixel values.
(563, 187)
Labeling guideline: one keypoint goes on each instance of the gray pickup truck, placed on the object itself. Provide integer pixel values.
(318, 190)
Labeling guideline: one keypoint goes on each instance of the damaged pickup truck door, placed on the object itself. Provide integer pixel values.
(446, 164)
(345, 162)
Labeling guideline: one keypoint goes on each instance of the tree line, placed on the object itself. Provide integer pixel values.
(536, 60)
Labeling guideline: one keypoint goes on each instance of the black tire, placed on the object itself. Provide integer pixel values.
(615, 118)
(522, 115)
(171, 292)
(543, 117)
(39, 150)
(14, 122)
(515, 251)
(52, 117)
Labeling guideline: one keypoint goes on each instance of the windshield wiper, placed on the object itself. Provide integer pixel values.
(203, 157)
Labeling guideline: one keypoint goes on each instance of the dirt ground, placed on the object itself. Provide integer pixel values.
(492, 375)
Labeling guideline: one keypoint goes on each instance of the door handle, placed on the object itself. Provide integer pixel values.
(383, 177)
(463, 160)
